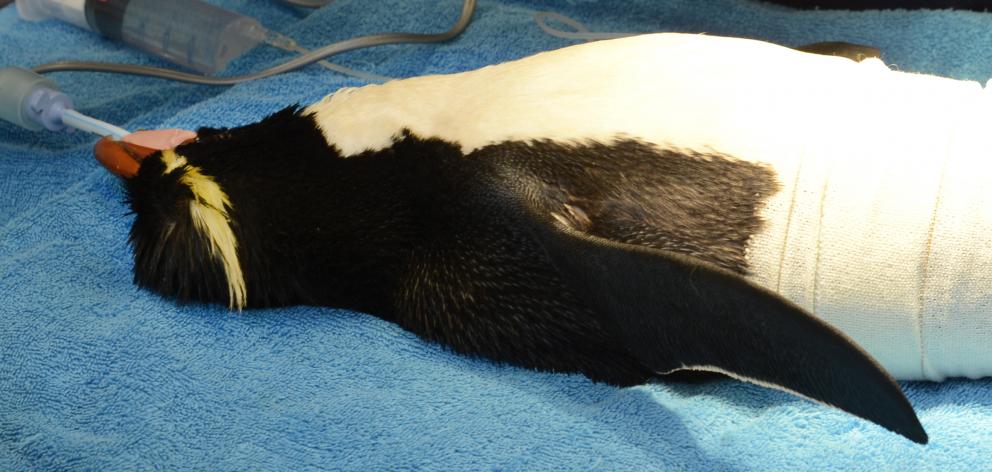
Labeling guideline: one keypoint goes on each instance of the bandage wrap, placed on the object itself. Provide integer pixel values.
(883, 226)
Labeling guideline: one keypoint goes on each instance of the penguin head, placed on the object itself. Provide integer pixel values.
(218, 218)
(183, 234)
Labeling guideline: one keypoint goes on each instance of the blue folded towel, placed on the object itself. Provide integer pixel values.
(97, 375)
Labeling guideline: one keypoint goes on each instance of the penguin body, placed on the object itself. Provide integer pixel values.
(584, 210)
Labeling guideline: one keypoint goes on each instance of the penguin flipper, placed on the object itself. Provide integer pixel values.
(676, 312)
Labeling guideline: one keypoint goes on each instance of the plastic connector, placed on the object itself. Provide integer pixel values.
(31, 101)
(34, 102)
(47, 107)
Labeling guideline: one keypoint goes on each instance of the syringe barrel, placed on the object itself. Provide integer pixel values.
(190, 33)
(69, 11)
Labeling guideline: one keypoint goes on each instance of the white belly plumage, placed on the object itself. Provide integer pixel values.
(883, 225)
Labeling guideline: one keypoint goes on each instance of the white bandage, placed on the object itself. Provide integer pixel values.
(883, 226)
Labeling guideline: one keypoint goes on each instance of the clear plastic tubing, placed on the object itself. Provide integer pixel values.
(190, 33)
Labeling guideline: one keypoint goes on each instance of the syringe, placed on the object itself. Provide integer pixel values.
(190, 33)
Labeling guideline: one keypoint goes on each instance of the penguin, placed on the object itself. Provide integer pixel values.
(588, 210)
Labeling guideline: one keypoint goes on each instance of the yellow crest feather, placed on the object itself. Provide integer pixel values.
(209, 211)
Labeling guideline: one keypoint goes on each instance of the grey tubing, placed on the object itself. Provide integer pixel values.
(468, 7)
(308, 3)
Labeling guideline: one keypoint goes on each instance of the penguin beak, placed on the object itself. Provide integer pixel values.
(120, 157)
(123, 158)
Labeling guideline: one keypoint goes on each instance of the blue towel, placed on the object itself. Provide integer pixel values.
(98, 375)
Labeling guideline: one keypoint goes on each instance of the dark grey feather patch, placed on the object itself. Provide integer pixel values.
(703, 205)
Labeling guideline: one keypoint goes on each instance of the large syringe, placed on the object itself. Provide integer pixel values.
(190, 33)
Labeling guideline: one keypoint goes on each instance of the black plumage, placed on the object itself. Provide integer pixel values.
(621, 261)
